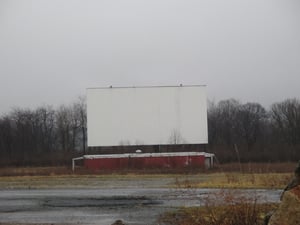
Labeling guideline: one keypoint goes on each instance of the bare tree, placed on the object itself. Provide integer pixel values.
(6, 138)
(63, 127)
(45, 128)
(79, 111)
(212, 122)
(250, 119)
(227, 121)
(71, 126)
(286, 120)
(25, 133)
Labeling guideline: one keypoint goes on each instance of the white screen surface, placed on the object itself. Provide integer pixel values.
(146, 116)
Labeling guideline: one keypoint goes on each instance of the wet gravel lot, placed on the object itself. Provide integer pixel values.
(101, 199)
(138, 205)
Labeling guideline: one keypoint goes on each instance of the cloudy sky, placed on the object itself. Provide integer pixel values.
(52, 50)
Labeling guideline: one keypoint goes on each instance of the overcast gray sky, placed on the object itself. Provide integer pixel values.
(52, 50)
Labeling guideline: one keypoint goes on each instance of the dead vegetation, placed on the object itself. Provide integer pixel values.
(227, 207)
(236, 180)
(34, 171)
(252, 168)
(221, 208)
(269, 176)
(247, 175)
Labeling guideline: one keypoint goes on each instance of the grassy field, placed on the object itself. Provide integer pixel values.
(250, 175)
(215, 180)
(88, 181)
(236, 180)
(254, 175)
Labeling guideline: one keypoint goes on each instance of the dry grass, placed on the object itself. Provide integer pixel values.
(87, 181)
(215, 180)
(222, 208)
(39, 177)
(236, 180)
(34, 171)
(246, 175)
(279, 167)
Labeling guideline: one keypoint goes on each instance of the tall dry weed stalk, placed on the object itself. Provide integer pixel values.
(231, 208)
(225, 207)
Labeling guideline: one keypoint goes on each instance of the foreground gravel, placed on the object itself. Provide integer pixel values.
(136, 200)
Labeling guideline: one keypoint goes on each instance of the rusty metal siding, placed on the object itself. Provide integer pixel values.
(145, 162)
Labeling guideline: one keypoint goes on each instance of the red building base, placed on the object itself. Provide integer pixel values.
(176, 160)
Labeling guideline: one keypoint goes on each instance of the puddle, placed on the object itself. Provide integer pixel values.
(135, 206)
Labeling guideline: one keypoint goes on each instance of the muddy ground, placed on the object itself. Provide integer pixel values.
(135, 200)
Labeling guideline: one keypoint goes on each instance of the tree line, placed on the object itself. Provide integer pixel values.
(249, 132)
(236, 131)
(43, 136)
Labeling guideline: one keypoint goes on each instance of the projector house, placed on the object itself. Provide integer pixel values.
(147, 127)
